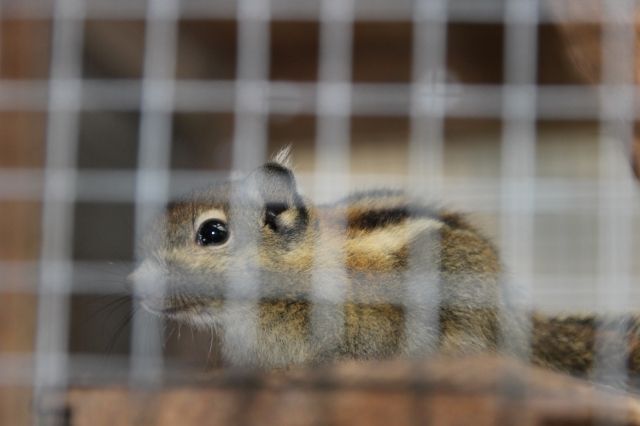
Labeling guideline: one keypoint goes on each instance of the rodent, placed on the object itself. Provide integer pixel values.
(372, 254)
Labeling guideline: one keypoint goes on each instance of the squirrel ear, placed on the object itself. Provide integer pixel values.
(276, 188)
(273, 183)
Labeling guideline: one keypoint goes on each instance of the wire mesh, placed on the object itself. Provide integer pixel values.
(543, 168)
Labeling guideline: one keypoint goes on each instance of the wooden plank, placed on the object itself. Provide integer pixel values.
(479, 391)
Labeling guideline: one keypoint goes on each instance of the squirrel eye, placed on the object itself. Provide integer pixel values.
(212, 232)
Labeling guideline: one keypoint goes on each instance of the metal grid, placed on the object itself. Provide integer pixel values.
(615, 226)
(515, 196)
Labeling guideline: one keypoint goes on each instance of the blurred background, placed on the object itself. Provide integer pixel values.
(92, 93)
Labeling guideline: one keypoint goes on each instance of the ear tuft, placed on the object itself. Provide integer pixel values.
(283, 157)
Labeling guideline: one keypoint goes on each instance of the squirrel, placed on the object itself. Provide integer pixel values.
(375, 275)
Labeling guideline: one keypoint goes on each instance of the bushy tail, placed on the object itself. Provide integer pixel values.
(604, 349)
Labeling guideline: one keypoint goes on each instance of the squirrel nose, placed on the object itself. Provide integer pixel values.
(147, 280)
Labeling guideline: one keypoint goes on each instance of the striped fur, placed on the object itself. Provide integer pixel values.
(589, 346)
(374, 275)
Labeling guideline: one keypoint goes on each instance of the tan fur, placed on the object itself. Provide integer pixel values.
(375, 275)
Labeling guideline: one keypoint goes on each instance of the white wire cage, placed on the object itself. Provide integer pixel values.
(463, 102)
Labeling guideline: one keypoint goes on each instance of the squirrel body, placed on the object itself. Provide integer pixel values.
(375, 275)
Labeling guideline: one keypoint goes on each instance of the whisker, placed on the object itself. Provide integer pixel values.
(210, 344)
(166, 340)
(98, 318)
(121, 327)
(110, 306)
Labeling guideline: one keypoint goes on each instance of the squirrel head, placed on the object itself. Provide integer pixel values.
(209, 245)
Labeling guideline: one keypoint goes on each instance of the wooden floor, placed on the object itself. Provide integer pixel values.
(472, 391)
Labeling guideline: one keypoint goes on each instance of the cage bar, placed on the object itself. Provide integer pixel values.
(426, 168)
(152, 176)
(615, 228)
(331, 176)
(251, 111)
(487, 11)
(518, 150)
(519, 201)
(51, 357)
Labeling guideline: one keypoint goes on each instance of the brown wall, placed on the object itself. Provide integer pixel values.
(583, 46)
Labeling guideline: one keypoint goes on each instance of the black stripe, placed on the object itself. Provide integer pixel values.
(373, 219)
(380, 218)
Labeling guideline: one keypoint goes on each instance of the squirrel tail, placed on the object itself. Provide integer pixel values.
(603, 349)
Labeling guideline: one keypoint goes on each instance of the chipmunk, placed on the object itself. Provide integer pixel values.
(374, 275)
